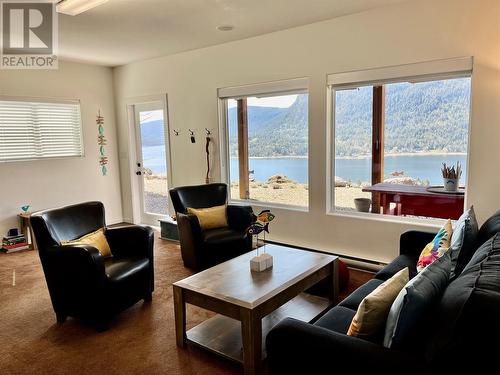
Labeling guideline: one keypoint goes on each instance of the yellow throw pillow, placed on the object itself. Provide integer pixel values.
(437, 247)
(210, 218)
(369, 321)
(95, 239)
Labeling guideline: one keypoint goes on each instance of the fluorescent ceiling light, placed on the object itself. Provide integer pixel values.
(75, 7)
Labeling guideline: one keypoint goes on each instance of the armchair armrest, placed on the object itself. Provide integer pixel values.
(190, 236)
(240, 217)
(74, 264)
(296, 347)
(131, 240)
(412, 242)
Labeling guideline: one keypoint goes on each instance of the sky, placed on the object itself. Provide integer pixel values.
(284, 101)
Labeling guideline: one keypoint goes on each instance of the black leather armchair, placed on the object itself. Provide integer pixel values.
(81, 282)
(204, 249)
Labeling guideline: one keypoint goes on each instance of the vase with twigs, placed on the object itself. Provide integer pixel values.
(451, 176)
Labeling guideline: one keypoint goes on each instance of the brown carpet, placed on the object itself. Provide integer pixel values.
(141, 340)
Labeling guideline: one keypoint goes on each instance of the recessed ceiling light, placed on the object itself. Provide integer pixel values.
(75, 7)
(225, 27)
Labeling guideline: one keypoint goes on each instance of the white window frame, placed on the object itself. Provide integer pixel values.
(274, 88)
(47, 101)
(416, 72)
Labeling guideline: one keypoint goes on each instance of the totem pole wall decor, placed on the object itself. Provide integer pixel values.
(101, 141)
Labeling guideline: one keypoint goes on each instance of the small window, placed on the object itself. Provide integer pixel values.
(266, 127)
(392, 139)
(39, 130)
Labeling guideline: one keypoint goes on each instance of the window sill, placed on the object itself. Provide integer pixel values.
(266, 205)
(428, 222)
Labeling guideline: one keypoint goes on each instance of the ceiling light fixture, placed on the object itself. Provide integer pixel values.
(225, 27)
(75, 7)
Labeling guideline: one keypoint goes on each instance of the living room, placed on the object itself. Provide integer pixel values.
(202, 73)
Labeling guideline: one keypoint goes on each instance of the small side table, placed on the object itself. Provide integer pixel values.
(169, 230)
(27, 230)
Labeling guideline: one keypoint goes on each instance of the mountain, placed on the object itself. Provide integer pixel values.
(420, 117)
(284, 134)
(257, 116)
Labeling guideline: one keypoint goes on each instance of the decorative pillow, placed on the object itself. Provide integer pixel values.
(436, 248)
(369, 321)
(95, 239)
(411, 313)
(210, 218)
(463, 241)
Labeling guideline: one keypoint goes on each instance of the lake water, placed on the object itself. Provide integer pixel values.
(425, 167)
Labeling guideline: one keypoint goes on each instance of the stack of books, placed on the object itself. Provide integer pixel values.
(11, 244)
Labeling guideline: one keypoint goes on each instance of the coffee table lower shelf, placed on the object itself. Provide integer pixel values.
(222, 335)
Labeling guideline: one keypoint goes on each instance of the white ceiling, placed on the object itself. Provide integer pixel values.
(122, 31)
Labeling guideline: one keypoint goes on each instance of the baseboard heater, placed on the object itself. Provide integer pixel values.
(352, 262)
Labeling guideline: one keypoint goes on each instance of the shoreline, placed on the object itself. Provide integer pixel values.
(426, 153)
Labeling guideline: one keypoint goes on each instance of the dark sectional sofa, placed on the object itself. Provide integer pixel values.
(462, 329)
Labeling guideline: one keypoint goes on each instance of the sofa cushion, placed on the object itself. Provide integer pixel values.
(370, 318)
(414, 306)
(470, 307)
(352, 302)
(401, 262)
(489, 228)
(117, 269)
(337, 319)
(463, 241)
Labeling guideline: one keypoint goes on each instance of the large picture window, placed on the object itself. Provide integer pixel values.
(392, 138)
(38, 130)
(266, 127)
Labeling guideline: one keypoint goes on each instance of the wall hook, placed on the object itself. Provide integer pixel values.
(176, 132)
(208, 132)
(191, 133)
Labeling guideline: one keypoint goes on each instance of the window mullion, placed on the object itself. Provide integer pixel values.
(244, 183)
(378, 119)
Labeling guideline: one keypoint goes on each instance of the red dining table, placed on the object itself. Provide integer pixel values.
(418, 201)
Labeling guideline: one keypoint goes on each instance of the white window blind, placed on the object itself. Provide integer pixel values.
(37, 130)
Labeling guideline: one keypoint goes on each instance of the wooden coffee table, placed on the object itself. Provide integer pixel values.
(251, 303)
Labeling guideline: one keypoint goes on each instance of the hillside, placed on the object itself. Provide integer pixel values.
(431, 116)
(421, 117)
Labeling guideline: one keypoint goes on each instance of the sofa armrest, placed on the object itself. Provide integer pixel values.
(412, 242)
(295, 347)
(240, 217)
(131, 240)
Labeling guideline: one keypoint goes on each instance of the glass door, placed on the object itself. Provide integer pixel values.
(151, 164)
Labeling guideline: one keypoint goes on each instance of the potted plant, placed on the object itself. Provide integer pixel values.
(451, 176)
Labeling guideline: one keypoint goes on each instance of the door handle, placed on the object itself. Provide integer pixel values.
(138, 173)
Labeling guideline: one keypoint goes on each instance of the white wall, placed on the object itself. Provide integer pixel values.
(52, 183)
(410, 32)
